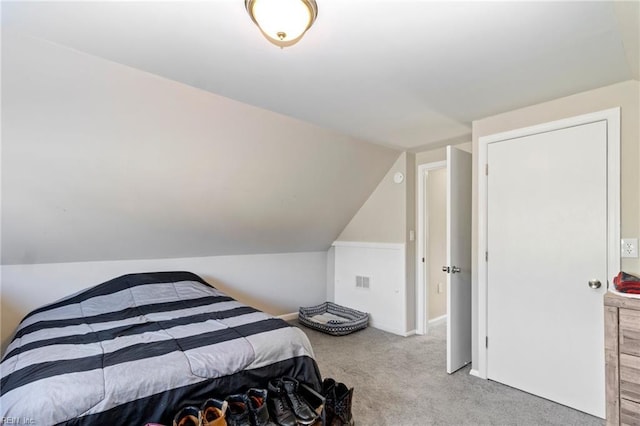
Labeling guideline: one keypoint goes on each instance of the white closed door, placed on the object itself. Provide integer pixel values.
(458, 265)
(547, 252)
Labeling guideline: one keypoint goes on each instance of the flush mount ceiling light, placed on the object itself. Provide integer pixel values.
(282, 22)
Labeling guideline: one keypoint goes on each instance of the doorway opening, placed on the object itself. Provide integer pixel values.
(431, 292)
(445, 226)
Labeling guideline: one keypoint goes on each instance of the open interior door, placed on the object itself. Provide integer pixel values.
(458, 264)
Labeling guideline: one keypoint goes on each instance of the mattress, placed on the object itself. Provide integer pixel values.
(137, 348)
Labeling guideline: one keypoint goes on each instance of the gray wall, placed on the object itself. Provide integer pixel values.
(388, 216)
(275, 283)
(104, 162)
(437, 241)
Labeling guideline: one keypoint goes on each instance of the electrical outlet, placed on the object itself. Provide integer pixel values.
(629, 247)
(440, 288)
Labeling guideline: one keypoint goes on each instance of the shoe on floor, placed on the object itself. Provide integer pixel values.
(329, 394)
(213, 412)
(238, 410)
(258, 411)
(342, 406)
(188, 416)
(300, 407)
(278, 404)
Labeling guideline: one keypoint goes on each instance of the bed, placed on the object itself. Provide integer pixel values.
(137, 348)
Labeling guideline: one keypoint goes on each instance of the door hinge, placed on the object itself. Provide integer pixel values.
(486, 169)
(486, 342)
(486, 256)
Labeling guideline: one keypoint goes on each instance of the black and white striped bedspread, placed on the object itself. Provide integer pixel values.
(136, 348)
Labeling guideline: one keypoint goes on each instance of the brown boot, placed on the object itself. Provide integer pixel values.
(213, 412)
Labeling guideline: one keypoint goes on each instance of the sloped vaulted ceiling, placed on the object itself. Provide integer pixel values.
(101, 161)
(117, 143)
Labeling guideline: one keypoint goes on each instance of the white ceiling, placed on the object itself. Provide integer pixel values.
(409, 74)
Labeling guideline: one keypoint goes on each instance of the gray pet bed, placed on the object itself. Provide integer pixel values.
(333, 319)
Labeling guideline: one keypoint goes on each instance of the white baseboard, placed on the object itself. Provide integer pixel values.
(438, 320)
(475, 373)
(289, 317)
(388, 329)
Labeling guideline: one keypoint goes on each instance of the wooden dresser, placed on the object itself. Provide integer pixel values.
(622, 355)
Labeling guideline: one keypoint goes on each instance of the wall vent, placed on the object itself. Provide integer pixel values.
(362, 282)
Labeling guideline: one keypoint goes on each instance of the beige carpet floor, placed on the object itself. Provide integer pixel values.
(402, 381)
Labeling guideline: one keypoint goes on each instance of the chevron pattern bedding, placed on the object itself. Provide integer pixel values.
(135, 349)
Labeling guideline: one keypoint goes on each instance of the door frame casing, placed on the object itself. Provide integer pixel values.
(612, 117)
(422, 279)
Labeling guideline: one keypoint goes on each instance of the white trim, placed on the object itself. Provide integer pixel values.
(481, 248)
(613, 191)
(422, 307)
(612, 116)
(289, 317)
(475, 373)
(362, 244)
(386, 298)
(437, 320)
(388, 329)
